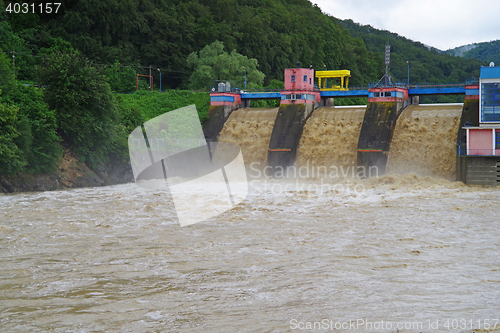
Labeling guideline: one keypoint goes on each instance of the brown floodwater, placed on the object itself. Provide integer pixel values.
(395, 248)
(425, 140)
(405, 253)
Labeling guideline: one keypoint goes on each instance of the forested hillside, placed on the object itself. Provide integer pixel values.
(460, 50)
(426, 65)
(487, 52)
(277, 33)
(163, 33)
(76, 62)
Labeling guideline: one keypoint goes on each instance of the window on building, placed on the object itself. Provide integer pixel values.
(305, 78)
(490, 102)
(497, 139)
(387, 94)
(376, 94)
(310, 82)
(293, 78)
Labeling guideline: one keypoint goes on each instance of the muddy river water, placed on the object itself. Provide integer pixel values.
(390, 252)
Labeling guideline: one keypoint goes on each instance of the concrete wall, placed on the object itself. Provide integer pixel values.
(376, 134)
(286, 134)
(217, 116)
(470, 114)
(472, 91)
(479, 170)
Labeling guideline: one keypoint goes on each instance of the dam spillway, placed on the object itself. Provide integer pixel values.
(424, 140)
(330, 137)
(250, 128)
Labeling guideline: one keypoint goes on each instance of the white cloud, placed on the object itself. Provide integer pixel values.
(440, 23)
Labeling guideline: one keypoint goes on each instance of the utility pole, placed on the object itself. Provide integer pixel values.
(326, 80)
(408, 63)
(160, 78)
(14, 62)
(387, 62)
(150, 77)
(245, 77)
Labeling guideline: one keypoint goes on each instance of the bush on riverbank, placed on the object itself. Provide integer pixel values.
(153, 104)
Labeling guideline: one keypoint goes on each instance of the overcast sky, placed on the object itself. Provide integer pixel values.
(443, 24)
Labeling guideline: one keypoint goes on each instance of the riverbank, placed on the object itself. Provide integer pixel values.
(70, 173)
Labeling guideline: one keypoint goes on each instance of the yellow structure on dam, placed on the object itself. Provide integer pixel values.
(343, 75)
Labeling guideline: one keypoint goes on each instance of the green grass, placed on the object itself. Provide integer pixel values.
(153, 104)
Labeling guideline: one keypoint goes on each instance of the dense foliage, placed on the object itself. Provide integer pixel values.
(121, 78)
(213, 63)
(11, 160)
(147, 105)
(34, 132)
(487, 52)
(85, 108)
(425, 64)
(163, 33)
(40, 128)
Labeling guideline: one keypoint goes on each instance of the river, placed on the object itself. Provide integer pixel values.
(399, 249)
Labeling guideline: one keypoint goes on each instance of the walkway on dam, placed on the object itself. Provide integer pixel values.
(414, 90)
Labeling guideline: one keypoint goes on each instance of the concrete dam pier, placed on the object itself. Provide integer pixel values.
(376, 134)
(286, 135)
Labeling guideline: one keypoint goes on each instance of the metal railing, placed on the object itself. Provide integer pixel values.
(436, 85)
(261, 90)
(463, 151)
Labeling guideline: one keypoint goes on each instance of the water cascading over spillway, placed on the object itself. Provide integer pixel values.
(425, 141)
(251, 129)
(330, 137)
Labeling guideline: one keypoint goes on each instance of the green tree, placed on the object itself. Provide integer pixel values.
(38, 122)
(85, 108)
(121, 78)
(10, 41)
(213, 63)
(7, 81)
(11, 160)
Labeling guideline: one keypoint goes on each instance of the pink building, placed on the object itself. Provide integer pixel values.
(299, 87)
(483, 141)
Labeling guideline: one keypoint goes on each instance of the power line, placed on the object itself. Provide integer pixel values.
(98, 64)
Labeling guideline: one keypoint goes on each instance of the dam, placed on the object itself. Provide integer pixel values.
(392, 133)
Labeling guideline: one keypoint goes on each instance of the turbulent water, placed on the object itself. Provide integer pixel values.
(251, 129)
(401, 249)
(389, 254)
(425, 140)
(330, 137)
